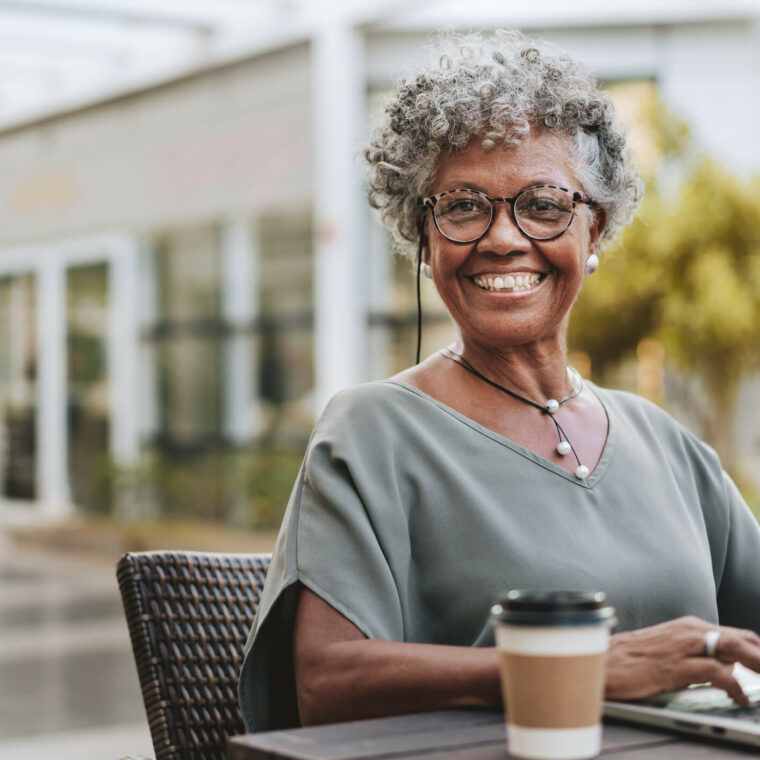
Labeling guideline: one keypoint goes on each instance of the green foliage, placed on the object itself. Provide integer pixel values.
(670, 134)
(687, 272)
(711, 316)
(248, 489)
(270, 475)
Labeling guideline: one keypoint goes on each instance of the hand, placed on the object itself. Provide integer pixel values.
(670, 656)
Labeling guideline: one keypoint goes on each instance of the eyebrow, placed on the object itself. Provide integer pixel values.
(464, 184)
(467, 185)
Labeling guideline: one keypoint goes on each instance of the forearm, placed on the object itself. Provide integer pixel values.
(371, 678)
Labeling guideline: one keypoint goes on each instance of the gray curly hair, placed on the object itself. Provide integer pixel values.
(494, 86)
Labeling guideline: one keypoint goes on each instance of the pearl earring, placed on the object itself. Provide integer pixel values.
(425, 268)
(592, 264)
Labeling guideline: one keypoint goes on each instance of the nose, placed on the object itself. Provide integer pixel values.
(504, 237)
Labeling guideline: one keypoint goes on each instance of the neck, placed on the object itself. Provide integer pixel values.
(536, 372)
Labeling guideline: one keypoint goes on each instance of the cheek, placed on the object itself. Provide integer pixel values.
(445, 257)
(568, 259)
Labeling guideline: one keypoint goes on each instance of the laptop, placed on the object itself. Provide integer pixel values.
(700, 710)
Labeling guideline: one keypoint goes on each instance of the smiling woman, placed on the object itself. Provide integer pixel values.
(540, 246)
(491, 464)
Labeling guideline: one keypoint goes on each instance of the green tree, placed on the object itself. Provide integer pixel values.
(686, 272)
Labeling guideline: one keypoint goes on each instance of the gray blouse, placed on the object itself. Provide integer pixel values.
(410, 519)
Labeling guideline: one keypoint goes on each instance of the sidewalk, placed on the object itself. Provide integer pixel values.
(68, 684)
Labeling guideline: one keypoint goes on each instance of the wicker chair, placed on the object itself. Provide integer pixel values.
(189, 615)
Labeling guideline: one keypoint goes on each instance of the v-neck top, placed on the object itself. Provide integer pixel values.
(410, 519)
(596, 473)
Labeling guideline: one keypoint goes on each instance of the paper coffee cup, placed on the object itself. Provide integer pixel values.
(552, 647)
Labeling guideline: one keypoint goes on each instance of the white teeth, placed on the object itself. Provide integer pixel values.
(508, 282)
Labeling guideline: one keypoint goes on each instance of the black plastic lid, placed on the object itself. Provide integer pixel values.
(519, 607)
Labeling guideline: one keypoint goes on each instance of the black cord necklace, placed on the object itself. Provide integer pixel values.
(550, 408)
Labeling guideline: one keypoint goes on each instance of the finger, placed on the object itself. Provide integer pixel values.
(719, 674)
(737, 645)
(750, 636)
(688, 634)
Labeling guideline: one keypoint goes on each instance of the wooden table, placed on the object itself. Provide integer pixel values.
(461, 734)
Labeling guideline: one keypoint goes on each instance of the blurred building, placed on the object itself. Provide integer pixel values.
(189, 265)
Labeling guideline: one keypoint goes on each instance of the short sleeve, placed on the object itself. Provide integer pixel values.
(330, 544)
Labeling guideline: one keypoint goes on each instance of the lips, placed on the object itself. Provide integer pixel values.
(508, 283)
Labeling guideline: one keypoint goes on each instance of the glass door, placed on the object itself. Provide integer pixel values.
(18, 386)
(88, 417)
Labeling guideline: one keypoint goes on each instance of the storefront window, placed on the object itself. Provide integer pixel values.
(18, 386)
(187, 338)
(285, 344)
(197, 467)
(88, 386)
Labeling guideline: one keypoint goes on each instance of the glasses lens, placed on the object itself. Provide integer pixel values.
(463, 215)
(543, 212)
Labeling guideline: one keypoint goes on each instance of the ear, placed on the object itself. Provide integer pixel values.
(596, 227)
(425, 248)
(424, 245)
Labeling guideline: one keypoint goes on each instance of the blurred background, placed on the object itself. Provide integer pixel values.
(189, 270)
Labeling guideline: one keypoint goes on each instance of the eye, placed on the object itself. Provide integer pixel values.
(544, 203)
(463, 205)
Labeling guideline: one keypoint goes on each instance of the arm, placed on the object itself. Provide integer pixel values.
(341, 675)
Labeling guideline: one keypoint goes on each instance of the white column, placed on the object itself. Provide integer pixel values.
(123, 351)
(240, 297)
(148, 312)
(339, 207)
(52, 474)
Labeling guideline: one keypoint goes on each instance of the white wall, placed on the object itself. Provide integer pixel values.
(709, 73)
(233, 139)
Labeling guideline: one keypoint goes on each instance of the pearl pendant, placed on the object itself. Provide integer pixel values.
(552, 405)
(581, 472)
(563, 447)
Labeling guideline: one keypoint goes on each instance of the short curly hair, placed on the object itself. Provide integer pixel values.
(496, 86)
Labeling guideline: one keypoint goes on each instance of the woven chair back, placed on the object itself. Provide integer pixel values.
(189, 614)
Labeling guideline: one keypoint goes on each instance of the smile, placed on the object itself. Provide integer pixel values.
(509, 283)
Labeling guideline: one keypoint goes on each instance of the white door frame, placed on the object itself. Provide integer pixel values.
(49, 263)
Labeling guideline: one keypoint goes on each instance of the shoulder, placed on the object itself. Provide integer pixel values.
(637, 408)
(654, 424)
(381, 393)
(374, 411)
(368, 401)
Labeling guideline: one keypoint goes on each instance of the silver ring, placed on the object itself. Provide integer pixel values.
(711, 643)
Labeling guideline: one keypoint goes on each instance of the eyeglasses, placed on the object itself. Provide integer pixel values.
(541, 212)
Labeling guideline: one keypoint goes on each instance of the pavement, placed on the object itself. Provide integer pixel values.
(68, 684)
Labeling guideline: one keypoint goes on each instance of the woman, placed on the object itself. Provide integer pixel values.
(491, 465)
